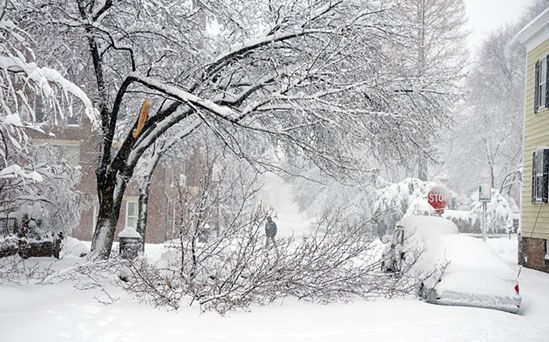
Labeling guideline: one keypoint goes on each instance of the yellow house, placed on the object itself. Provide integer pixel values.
(534, 244)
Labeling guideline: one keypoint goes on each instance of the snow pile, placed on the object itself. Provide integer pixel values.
(471, 266)
(422, 228)
(74, 247)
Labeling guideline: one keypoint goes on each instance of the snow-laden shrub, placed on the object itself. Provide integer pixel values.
(335, 263)
(50, 206)
(464, 220)
(499, 212)
(406, 197)
(25, 183)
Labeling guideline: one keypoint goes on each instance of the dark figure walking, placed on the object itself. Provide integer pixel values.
(270, 231)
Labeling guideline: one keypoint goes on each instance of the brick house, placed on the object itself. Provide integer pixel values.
(534, 244)
(77, 144)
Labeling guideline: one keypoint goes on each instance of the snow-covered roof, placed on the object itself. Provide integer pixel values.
(535, 32)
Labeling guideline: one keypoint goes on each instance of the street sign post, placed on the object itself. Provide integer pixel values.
(484, 196)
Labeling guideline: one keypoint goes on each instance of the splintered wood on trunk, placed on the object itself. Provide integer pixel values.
(143, 116)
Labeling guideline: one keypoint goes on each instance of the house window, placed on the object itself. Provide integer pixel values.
(69, 154)
(546, 249)
(131, 214)
(540, 175)
(541, 96)
(59, 151)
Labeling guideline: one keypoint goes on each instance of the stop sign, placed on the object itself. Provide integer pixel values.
(437, 198)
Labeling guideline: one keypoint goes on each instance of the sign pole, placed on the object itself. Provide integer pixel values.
(484, 196)
(485, 220)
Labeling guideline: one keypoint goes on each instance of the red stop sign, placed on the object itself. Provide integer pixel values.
(437, 201)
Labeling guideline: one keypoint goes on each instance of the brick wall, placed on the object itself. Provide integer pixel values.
(162, 196)
(532, 254)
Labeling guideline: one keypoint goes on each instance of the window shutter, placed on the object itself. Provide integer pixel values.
(545, 187)
(533, 177)
(546, 81)
(536, 87)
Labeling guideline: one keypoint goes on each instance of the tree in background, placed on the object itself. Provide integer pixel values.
(29, 186)
(430, 57)
(435, 60)
(487, 145)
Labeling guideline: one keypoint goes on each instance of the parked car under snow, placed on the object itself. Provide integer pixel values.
(453, 269)
(409, 237)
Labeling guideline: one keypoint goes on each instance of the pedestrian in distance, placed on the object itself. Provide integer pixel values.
(270, 231)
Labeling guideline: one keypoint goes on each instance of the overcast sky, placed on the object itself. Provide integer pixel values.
(487, 15)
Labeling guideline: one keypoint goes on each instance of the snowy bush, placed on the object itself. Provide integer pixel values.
(39, 191)
(464, 220)
(406, 197)
(49, 206)
(336, 264)
(499, 212)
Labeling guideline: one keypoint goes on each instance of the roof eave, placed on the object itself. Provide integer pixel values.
(532, 28)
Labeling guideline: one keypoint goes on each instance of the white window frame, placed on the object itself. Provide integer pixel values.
(538, 165)
(61, 148)
(128, 203)
(542, 85)
(547, 249)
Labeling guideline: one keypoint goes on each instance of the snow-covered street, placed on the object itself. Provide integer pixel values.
(63, 313)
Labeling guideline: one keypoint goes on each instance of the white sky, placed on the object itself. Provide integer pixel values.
(487, 15)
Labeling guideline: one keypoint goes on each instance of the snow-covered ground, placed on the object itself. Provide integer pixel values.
(62, 312)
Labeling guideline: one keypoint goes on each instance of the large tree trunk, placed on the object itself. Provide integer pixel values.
(142, 204)
(110, 192)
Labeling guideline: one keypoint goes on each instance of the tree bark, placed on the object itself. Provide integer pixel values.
(144, 190)
(110, 199)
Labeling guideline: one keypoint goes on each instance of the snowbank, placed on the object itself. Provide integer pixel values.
(421, 228)
(473, 266)
(74, 247)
